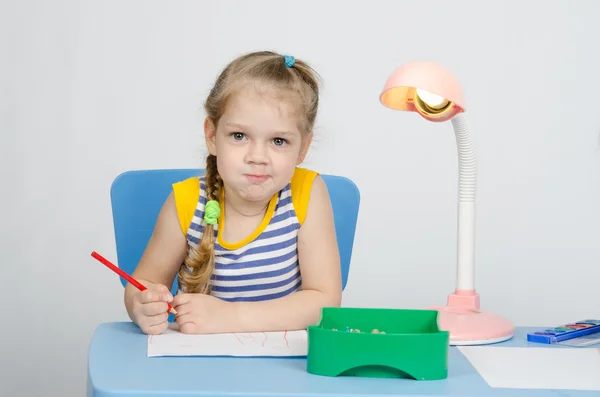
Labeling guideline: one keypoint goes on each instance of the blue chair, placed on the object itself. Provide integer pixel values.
(137, 197)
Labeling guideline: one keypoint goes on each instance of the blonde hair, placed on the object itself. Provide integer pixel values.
(270, 70)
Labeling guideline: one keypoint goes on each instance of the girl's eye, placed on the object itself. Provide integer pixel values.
(238, 136)
(279, 141)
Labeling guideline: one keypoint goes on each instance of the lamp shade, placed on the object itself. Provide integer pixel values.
(410, 87)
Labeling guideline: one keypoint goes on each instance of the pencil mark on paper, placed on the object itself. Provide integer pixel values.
(238, 338)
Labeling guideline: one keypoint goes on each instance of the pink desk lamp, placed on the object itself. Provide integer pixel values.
(435, 93)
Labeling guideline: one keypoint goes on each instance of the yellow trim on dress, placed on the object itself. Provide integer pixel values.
(186, 194)
(301, 187)
(263, 225)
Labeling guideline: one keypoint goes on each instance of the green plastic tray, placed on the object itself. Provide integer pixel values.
(412, 347)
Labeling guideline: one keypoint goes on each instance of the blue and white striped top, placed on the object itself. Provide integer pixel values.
(265, 264)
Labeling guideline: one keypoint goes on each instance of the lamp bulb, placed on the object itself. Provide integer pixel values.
(432, 100)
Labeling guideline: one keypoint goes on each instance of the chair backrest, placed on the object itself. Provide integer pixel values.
(137, 197)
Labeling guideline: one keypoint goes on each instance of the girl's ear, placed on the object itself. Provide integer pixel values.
(304, 149)
(210, 133)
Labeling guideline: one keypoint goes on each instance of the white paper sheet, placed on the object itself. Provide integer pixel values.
(267, 344)
(536, 368)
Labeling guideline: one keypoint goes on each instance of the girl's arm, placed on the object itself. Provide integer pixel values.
(163, 255)
(321, 275)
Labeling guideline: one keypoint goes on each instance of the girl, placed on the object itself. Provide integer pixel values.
(252, 241)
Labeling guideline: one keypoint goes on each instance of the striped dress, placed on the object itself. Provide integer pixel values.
(265, 264)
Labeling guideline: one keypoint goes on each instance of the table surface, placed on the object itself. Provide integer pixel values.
(118, 366)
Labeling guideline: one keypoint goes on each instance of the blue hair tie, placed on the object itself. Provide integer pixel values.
(289, 60)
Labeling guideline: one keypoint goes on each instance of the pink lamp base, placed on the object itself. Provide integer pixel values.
(468, 325)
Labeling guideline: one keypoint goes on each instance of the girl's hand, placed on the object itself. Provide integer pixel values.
(202, 314)
(150, 309)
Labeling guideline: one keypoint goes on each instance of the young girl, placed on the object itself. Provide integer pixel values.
(252, 241)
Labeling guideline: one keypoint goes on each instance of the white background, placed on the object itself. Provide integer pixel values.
(91, 89)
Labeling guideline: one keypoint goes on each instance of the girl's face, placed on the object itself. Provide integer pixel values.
(257, 143)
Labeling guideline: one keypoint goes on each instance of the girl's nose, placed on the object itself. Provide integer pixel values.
(257, 154)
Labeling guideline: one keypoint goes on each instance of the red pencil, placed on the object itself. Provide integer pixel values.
(126, 276)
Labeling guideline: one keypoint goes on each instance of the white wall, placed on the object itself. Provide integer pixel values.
(91, 89)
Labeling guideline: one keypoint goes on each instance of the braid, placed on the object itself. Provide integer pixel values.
(213, 179)
(201, 262)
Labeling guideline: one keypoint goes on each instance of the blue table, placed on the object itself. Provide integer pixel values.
(118, 367)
